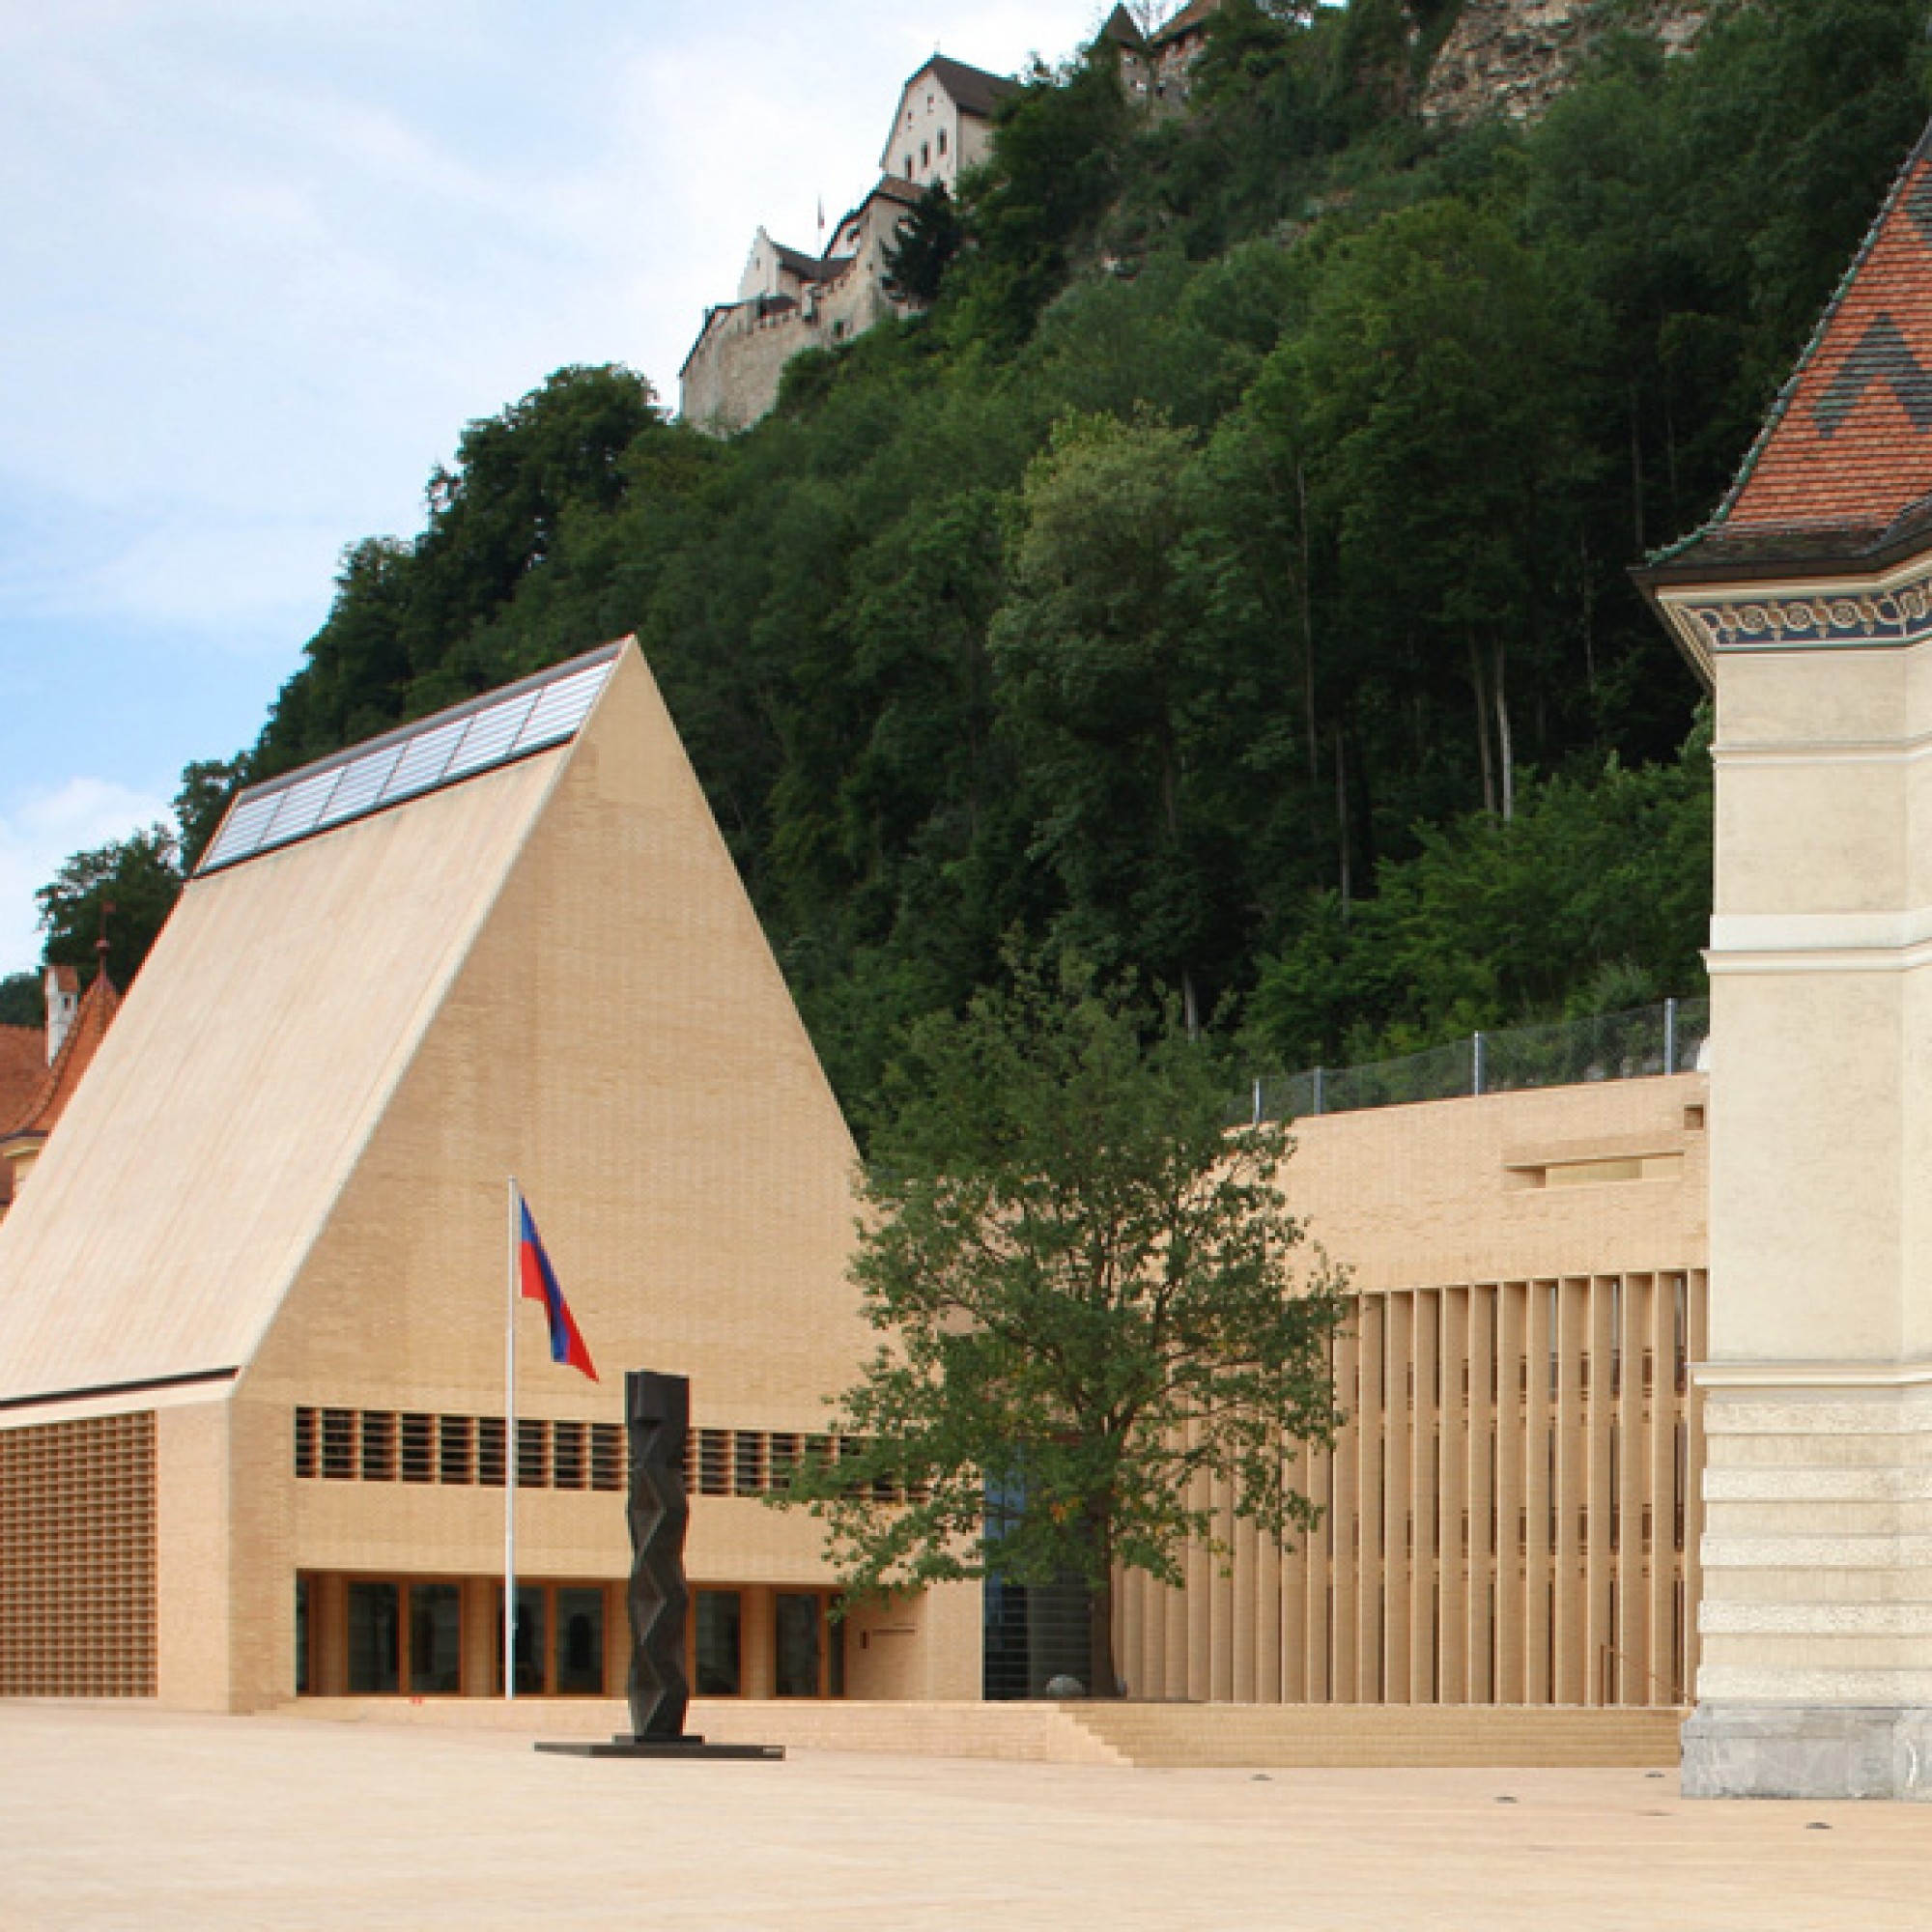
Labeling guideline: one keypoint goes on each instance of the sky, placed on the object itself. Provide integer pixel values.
(259, 263)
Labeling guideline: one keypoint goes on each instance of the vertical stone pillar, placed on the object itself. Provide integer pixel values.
(1816, 1618)
(1805, 605)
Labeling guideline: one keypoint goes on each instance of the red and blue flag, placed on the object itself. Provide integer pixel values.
(539, 1282)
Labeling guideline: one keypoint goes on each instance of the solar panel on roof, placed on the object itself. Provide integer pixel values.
(479, 736)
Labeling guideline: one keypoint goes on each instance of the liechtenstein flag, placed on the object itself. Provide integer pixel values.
(539, 1280)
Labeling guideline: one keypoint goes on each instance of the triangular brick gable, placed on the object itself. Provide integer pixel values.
(1848, 448)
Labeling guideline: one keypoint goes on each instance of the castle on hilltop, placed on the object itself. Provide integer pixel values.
(790, 299)
(1506, 57)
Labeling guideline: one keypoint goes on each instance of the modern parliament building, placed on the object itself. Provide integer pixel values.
(252, 1297)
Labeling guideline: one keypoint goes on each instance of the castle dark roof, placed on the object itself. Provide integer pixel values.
(1123, 32)
(971, 88)
(1191, 19)
(1842, 470)
(796, 261)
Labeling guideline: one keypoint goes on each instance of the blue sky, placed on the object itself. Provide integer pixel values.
(260, 264)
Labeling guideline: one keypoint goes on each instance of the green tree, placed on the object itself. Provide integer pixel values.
(22, 1001)
(126, 887)
(1110, 685)
(1082, 1284)
(208, 789)
(919, 256)
(1460, 935)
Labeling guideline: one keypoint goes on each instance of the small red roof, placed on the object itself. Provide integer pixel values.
(23, 1065)
(1845, 460)
(48, 1099)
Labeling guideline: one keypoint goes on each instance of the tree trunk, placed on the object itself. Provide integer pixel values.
(1309, 721)
(1103, 1676)
(1478, 686)
(1505, 738)
(1347, 880)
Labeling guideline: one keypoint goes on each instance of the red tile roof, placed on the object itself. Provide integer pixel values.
(23, 1065)
(48, 1099)
(1845, 459)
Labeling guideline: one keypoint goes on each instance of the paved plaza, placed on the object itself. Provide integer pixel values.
(124, 1818)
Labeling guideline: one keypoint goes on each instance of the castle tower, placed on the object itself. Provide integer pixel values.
(1806, 604)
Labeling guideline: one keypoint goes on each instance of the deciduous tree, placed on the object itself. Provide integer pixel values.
(1083, 1286)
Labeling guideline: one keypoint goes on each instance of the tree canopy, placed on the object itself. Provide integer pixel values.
(1083, 1284)
(1242, 533)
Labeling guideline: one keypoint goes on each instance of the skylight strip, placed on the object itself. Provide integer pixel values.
(362, 783)
(243, 829)
(479, 736)
(423, 763)
(301, 804)
(491, 735)
(560, 710)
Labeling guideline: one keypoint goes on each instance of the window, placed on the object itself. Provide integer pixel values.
(399, 1634)
(419, 1448)
(908, 166)
(532, 1634)
(799, 1630)
(303, 1678)
(338, 1443)
(570, 1463)
(925, 155)
(942, 141)
(560, 1636)
(718, 1624)
(456, 1446)
(435, 1639)
(375, 1640)
(580, 1642)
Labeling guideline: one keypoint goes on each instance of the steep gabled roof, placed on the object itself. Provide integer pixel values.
(806, 268)
(56, 1086)
(971, 88)
(287, 1167)
(1191, 19)
(1842, 467)
(1121, 30)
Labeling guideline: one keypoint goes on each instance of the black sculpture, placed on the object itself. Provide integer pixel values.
(657, 1412)
(657, 1416)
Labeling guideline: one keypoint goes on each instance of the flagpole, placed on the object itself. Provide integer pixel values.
(510, 1463)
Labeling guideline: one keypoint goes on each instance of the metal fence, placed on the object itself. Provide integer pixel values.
(1647, 1040)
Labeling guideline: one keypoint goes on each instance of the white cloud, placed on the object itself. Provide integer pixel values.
(43, 828)
(261, 263)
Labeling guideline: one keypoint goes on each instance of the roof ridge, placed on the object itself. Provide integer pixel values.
(92, 1019)
(1781, 404)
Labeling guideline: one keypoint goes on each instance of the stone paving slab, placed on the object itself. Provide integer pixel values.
(115, 1818)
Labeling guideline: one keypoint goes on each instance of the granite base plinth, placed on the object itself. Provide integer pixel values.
(671, 1750)
(1807, 1751)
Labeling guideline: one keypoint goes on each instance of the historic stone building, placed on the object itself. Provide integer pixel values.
(789, 301)
(1806, 604)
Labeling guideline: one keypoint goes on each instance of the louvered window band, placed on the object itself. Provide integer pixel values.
(352, 1445)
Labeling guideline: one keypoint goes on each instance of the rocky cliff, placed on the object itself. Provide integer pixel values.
(1516, 56)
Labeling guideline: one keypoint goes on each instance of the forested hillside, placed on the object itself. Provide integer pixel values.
(1227, 573)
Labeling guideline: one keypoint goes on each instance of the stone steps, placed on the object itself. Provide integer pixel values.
(1153, 1736)
(1383, 1735)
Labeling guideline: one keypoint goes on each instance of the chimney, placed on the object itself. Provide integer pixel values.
(63, 985)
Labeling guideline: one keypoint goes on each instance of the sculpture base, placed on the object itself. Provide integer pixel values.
(1815, 1752)
(685, 1748)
